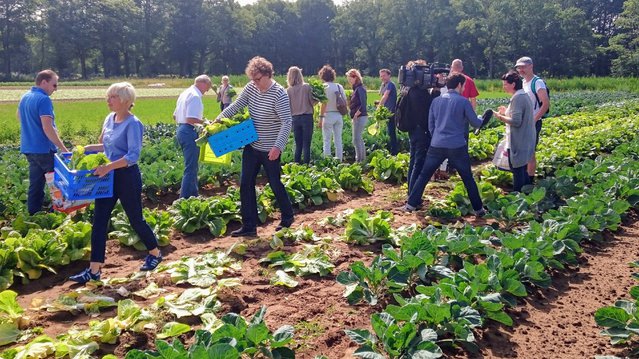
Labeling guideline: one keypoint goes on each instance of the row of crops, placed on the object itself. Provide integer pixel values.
(431, 288)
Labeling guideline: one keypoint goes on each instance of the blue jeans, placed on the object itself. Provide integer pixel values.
(419, 143)
(252, 161)
(520, 175)
(303, 134)
(460, 160)
(127, 187)
(39, 164)
(186, 136)
(393, 145)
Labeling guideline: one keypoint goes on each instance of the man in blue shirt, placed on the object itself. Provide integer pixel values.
(448, 120)
(38, 135)
(388, 91)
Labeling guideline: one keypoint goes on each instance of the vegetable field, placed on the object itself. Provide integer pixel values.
(548, 273)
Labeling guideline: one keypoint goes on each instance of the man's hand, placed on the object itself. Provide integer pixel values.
(274, 153)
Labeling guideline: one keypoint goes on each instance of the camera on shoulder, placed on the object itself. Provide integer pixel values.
(424, 76)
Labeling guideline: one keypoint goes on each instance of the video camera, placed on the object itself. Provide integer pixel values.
(424, 76)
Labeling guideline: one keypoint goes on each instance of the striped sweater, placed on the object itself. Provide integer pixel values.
(271, 114)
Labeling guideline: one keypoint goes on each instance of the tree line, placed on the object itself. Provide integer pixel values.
(148, 38)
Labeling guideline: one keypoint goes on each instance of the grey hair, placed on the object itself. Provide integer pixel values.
(203, 79)
(124, 90)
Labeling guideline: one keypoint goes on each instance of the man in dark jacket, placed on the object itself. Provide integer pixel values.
(414, 120)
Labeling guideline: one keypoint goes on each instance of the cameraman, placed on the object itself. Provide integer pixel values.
(414, 120)
(448, 121)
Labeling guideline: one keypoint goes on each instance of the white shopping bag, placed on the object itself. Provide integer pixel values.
(500, 160)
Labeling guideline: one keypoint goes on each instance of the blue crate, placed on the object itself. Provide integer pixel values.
(233, 138)
(80, 184)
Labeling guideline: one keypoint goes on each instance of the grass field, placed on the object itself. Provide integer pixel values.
(82, 119)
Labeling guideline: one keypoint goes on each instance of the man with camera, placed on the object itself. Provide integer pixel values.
(448, 120)
(413, 118)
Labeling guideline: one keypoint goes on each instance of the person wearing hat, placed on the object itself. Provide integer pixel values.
(539, 98)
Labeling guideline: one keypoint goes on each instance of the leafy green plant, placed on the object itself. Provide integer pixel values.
(389, 168)
(192, 214)
(363, 228)
(312, 259)
(235, 337)
(202, 270)
(161, 223)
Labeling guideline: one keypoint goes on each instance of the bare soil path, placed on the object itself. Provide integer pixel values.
(554, 323)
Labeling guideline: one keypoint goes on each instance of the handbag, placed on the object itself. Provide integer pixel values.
(500, 160)
(340, 101)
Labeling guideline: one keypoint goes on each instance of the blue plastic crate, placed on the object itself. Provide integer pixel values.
(233, 138)
(80, 184)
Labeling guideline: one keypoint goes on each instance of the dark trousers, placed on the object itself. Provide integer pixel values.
(520, 175)
(303, 134)
(393, 145)
(419, 143)
(39, 164)
(127, 187)
(460, 160)
(252, 161)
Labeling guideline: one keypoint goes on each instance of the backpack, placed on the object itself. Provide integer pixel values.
(534, 91)
(400, 111)
(340, 101)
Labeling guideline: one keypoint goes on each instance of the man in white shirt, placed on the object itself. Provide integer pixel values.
(189, 112)
(538, 97)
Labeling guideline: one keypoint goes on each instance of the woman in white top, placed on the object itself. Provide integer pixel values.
(331, 121)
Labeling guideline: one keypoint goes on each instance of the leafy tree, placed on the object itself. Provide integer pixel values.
(72, 28)
(14, 18)
(626, 43)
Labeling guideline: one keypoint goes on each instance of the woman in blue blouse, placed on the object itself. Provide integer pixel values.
(121, 141)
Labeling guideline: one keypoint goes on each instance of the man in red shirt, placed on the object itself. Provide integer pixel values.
(470, 90)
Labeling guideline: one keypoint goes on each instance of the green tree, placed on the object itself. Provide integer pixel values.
(14, 18)
(72, 31)
(315, 33)
(626, 43)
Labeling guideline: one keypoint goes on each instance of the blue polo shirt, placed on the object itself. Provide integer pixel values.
(34, 104)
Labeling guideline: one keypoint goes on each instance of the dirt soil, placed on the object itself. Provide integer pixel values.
(554, 323)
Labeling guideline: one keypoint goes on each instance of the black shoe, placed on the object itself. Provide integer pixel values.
(284, 224)
(244, 232)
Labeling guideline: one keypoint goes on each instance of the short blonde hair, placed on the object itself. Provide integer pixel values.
(294, 76)
(355, 73)
(124, 90)
(225, 78)
(259, 65)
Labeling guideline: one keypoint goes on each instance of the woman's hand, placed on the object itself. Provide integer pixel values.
(102, 171)
(501, 110)
(274, 153)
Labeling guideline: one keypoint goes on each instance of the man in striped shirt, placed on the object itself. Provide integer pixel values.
(270, 109)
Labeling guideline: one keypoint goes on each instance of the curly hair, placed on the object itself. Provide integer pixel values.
(259, 65)
(326, 73)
